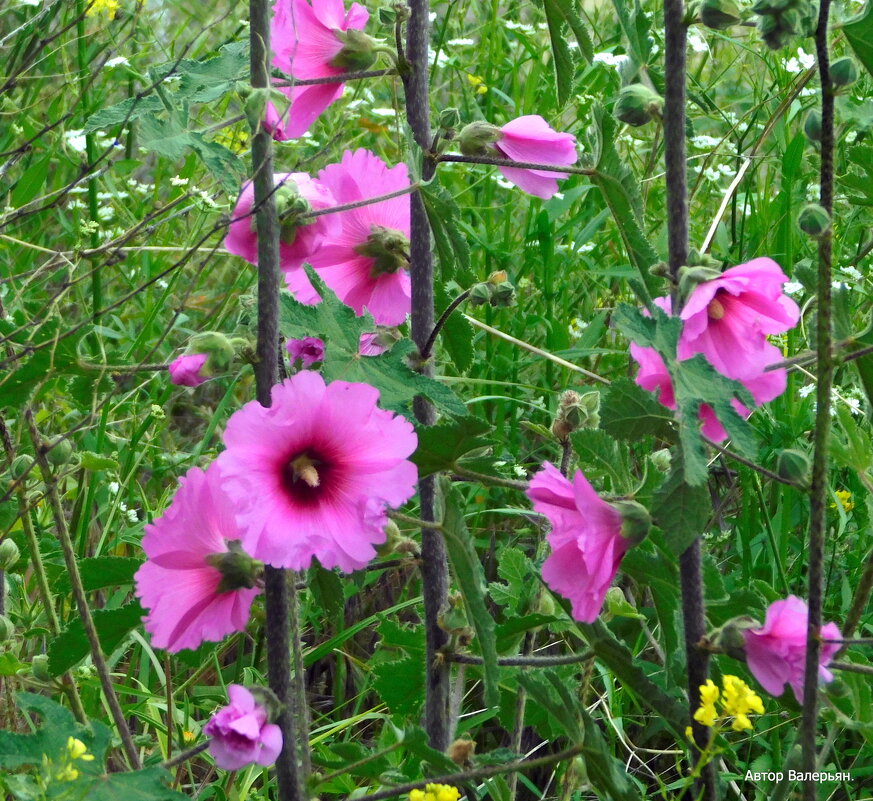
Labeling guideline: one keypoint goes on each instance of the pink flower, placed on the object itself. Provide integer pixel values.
(298, 242)
(531, 138)
(776, 652)
(586, 539)
(185, 370)
(371, 345)
(309, 41)
(312, 472)
(241, 733)
(366, 263)
(198, 583)
(309, 350)
(729, 318)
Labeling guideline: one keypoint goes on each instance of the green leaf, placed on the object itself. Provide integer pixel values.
(113, 625)
(10, 664)
(415, 742)
(453, 252)
(605, 771)
(456, 335)
(470, 576)
(562, 58)
(548, 691)
(341, 331)
(680, 511)
(148, 784)
(102, 571)
(400, 685)
(89, 460)
(442, 446)
(568, 11)
(126, 111)
(628, 412)
(859, 34)
(327, 590)
(208, 80)
(515, 569)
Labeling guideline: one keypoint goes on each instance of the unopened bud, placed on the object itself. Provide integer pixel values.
(480, 294)
(238, 569)
(387, 16)
(39, 667)
(719, 14)
(478, 138)
(843, 72)
(812, 126)
(358, 51)
(450, 118)
(388, 248)
(814, 220)
(59, 452)
(503, 294)
(9, 553)
(21, 466)
(461, 750)
(793, 465)
(662, 460)
(7, 628)
(291, 207)
(638, 105)
(217, 347)
(636, 521)
(731, 638)
(393, 539)
(691, 277)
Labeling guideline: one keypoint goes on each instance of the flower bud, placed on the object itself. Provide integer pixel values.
(503, 294)
(291, 207)
(9, 553)
(238, 569)
(39, 667)
(60, 452)
(719, 14)
(461, 750)
(793, 465)
(450, 118)
(216, 346)
(477, 138)
(387, 16)
(843, 72)
(812, 126)
(388, 248)
(393, 540)
(731, 638)
(480, 294)
(21, 466)
(662, 460)
(636, 521)
(266, 698)
(358, 52)
(637, 105)
(691, 277)
(7, 628)
(814, 220)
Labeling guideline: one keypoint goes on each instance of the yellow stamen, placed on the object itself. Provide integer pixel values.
(304, 470)
(715, 310)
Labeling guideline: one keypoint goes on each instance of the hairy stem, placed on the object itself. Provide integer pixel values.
(524, 660)
(825, 358)
(444, 317)
(519, 165)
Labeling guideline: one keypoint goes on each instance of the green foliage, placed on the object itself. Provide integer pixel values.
(102, 571)
(859, 34)
(628, 412)
(446, 444)
(680, 510)
(452, 249)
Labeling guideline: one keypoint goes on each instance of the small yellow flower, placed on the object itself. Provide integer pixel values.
(78, 750)
(67, 774)
(435, 792)
(741, 722)
(189, 737)
(845, 499)
(739, 699)
(233, 139)
(110, 7)
(478, 83)
(416, 795)
(706, 715)
(708, 693)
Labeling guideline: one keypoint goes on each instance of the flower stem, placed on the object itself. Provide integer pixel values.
(862, 596)
(444, 317)
(69, 553)
(184, 756)
(519, 165)
(489, 481)
(524, 660)
(278, 630)
(361, 203)
(345, 77)
(825, 363)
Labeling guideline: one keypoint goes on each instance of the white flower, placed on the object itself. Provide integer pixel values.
(577, 327)
(461, 42)
(812, 192)
(793, 287)
(76, 140)
(697, 43)
(383, 112)
(105, 213)
(177, 181)
(117, 62)
(854, 405)
(113, 487)
(852, 272)
(803, 61)
(586, 248)
(132, 516)
(703, 141)
(610, 59)
(806, 390)
(851, 136)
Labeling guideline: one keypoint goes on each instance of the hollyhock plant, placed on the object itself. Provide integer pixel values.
(776, 652)
(322, 464)
(242, 733)
(187, 370)
(529, 138)
(309, 350)
(366, 263)
(320, 40)
(296, 193)
(589, 538)
(199, 581)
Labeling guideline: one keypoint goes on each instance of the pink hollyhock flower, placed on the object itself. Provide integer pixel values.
(366, 263)
(370, 346)
(729, 318)
(294, 191)
(198, 583)
(531, 138)
(776, 652)
(309, 350)
(241, 733)
(185, 371)
(317, 463)
(313, 41)
(586, 539)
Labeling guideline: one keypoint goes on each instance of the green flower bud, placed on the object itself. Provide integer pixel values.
(480, 294)
(7, 628)
(662, 460)
(731, 639)
(691, 277)
(503, 294)
(637, 105)
(217, 346)
(449, 118)
(60, 452)
(266, 698)
(292, 207)
(387, 16)
(9, 553)
(793, 465)
(21, 466)
(812, 126)
(636, 521)
(358, 52)
(39, 668)
(393, 538)
(720, 14)
(238, 569)
(843, 72)
(388, 248)
(814, 220)
(477, 138)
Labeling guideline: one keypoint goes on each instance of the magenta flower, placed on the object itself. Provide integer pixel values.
(776, 652)
(198, 583)
(312, 41)
(586, 539)
(241, 732)
(366, 263)
(531, 138)
(299, 242)
(186, 370)
(313, 472)
(309, 350)
(371, 344)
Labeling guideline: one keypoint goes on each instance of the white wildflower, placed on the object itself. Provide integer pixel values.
(117, 62)
(179, 181)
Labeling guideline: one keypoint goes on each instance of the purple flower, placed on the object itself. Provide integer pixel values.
(241, 733)
(309, 350)
(186, 370)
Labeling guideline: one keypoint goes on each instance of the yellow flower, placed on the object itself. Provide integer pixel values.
(706, 715)
(416, 795)
(78, 750)
(845, 499)
(67, 774)
(188, 736)
(235, 140)
(739, 699)
(741, 722)
(110, 7)
(478, 83)
(708, 693)
(435, 792)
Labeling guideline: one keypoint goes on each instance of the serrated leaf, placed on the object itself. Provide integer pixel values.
(628, 412)
(442, 446)
(327, 590)
(456, 335)
(340, 329)
(859, 34)
(208, 80)
(470, 576)
(680, 511)
(568, 11)
(515, 569)
(453, 252)
(400, 685)
(148, 784)
(544, 688)
(102, 571)
(562, 58)
(112, 625)
(126, 111)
